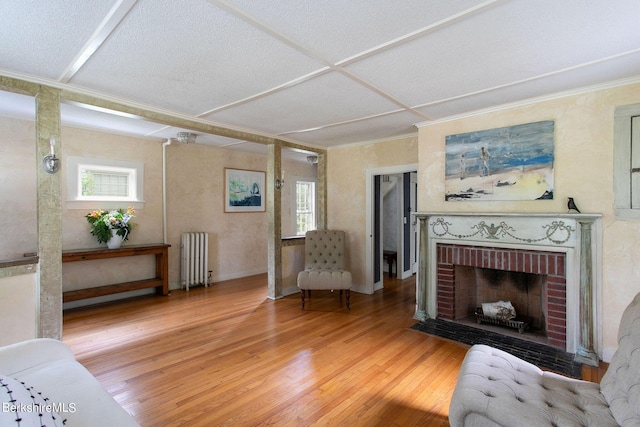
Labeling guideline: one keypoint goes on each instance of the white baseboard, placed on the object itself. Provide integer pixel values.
(222, 277)
(360, 289)
(290, 291)
(237, 275)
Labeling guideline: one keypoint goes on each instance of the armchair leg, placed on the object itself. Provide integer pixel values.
(302, 297)
(348, 294)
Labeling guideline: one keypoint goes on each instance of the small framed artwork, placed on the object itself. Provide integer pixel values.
(244, 190)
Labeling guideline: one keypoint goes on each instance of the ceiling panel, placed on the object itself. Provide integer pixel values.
(189, 57)
(508, 43)
(323, 72)
(338, 29)
(42, 37)
(619, 68)
(88, 117)
(378, 128)
(17, 106)
(329, 98)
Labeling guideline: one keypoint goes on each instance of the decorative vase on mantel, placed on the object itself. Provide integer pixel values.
(116, 240)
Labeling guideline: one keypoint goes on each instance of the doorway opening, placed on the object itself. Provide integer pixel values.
(391, 229)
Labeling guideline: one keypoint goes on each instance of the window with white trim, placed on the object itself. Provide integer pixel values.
(305, 205)
(626, 165)
(100, 182)
(93, 179)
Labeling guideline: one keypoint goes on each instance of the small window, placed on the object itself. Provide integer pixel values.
(91, 179)
(101, 183)
(305, 207)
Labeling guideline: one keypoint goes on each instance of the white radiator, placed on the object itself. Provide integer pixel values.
(195, 256)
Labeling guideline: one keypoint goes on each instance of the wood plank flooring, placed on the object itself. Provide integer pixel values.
(226, 355)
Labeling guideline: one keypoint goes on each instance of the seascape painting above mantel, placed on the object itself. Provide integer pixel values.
(508, 163)
(577, 236)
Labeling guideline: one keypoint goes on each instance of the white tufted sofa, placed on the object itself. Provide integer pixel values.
(324, 261)
(64, 389)
(497, 389)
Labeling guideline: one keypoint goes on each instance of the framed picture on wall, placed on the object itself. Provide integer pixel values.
(509, 163)
(244, 190)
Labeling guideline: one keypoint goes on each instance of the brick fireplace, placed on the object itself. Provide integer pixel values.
(457, 297)
(563, 249)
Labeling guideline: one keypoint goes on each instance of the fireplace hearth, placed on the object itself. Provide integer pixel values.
(547, 264)
(541, 355)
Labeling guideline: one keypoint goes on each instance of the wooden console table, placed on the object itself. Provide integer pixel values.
(160, 281)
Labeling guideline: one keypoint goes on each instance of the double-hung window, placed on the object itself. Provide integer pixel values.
(305, 205)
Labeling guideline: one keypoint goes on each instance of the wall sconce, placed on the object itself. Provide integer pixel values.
(280, 182)
(50, 163)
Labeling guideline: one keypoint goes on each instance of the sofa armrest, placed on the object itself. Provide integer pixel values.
(496, 388)
(18, 357)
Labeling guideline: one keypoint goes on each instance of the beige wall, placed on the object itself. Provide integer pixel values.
(195, 202)
(346, 192)
(195, 176)
(583, 170)
(18, 200)
(148, 217)
(18, 196)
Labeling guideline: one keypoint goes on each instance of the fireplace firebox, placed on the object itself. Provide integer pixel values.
(533, 281)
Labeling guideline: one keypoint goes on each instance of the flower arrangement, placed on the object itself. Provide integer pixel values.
(102, 222)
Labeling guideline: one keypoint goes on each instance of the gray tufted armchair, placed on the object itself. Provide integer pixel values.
(497, 389)
(324, 259)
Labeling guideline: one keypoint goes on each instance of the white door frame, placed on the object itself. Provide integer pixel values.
(414, 225)
(371, 287)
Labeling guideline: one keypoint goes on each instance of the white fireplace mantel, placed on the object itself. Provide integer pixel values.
(577, 235)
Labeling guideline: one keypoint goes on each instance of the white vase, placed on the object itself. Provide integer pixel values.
(116, 240)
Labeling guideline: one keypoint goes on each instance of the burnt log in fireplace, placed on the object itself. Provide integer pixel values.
(519, 325)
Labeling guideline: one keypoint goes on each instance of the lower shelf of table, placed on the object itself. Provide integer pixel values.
(100, 291)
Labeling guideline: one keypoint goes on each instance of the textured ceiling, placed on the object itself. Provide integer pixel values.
(318, 72)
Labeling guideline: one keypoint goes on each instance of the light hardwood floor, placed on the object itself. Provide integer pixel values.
(227, 355)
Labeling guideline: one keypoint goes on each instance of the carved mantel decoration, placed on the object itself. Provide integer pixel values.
(578, 236)
(562, 231)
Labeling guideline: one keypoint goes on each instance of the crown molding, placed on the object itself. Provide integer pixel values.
(536, 100)
(375, 141)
